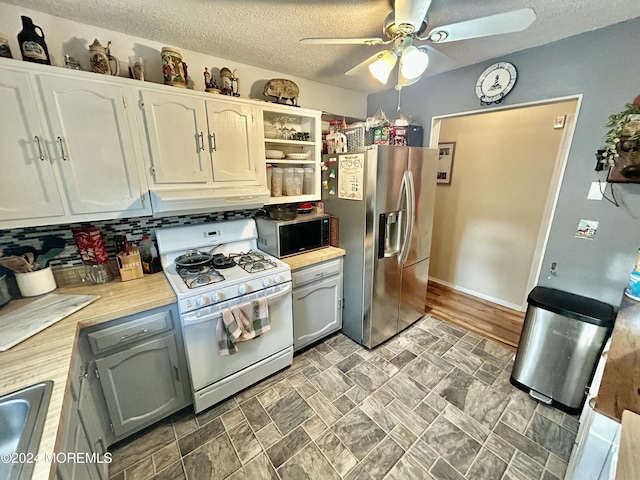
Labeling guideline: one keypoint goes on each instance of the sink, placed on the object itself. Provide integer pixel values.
(22, 416)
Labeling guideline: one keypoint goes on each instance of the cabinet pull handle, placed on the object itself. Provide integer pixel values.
(64, 155)
(141, 332)
(201, 141)
(177, 372)
(212, 141)
(40, 148)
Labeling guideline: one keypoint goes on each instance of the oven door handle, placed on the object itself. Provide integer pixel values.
(194, 318)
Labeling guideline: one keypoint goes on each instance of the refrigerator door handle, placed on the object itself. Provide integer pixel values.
(409, 218)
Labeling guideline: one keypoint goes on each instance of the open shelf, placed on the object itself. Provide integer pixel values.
(280, 141)
(291, 162)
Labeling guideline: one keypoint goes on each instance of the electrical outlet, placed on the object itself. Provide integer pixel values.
(594, 191)
(559, 123)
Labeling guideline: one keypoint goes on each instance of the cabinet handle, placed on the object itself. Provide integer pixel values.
(201, 141)
(40, 148)
(177, 372)
(64, 155)
(592, 402)
(124, 337)
(212, 141)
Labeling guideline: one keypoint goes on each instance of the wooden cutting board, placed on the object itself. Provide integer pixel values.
(26, 321)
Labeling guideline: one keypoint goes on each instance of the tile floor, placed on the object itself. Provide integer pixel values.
(433, 403)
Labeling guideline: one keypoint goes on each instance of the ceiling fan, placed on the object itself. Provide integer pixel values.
(405, 26)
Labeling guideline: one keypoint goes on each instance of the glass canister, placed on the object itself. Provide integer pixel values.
(269, 168)
(276, 181)
(287, 181)
(307, 183)
(298, 178)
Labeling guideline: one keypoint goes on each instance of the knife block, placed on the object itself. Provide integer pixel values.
(129, 265)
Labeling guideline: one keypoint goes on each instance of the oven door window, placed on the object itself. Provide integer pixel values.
(298, 237)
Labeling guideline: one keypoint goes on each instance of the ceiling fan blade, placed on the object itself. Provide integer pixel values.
(411, 12)
(508, 22)
(342, 41)
(437, 59)
(362, 66)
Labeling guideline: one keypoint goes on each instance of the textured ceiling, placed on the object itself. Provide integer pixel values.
(265, 33)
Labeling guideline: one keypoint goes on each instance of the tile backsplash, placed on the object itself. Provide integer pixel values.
(133, 228)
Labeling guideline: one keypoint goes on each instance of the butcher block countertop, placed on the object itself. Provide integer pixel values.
(313, 257)
(620, 386)
(49, 355)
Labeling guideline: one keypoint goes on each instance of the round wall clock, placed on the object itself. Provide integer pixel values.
(496, 82)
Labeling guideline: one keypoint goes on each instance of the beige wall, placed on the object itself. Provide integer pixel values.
(487, 220)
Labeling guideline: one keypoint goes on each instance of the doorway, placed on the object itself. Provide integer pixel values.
(492, 220)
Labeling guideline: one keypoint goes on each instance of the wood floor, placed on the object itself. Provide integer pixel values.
(487, 319)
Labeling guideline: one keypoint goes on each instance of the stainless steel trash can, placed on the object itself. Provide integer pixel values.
(562, 338)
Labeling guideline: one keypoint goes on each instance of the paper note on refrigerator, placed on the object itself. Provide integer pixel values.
(351, 176)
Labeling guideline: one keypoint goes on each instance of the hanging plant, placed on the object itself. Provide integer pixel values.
(624, 134)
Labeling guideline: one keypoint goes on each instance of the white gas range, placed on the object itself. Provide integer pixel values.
(237, 273)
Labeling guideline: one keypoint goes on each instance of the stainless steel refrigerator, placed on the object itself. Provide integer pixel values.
(384, 198)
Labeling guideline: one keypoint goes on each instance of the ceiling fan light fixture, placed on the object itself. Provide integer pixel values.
(382, 67)
(413, 63)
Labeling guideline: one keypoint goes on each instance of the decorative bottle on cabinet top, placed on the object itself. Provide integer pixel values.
(32, 44)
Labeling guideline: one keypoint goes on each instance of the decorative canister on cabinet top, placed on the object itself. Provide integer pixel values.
(32, 44)
(101, 59)
(174, 70)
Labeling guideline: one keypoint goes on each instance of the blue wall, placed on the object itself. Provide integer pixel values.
(602, 65)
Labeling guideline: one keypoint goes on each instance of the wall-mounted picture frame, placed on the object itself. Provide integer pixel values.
(445, 162)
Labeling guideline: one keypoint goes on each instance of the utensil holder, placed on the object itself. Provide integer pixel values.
(130, 265)
(36, 283)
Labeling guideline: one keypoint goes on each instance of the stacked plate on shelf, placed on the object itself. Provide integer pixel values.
(270, 131)
(274, 154)
(297, 156)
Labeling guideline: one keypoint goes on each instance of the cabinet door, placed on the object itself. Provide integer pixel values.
(91, 421)
(142, 384)
(177, 131)
(28, 188)
(76, 443)
(91, 143)
(312, 316)
(232, 141)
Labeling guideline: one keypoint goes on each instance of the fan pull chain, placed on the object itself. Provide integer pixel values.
(399, 96)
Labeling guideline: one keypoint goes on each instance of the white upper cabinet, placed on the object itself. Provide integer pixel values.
(68, 147)
(178, 138)
(91, 145)
(27, 187)
(232, 139)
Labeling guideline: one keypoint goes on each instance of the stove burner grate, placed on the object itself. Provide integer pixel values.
(195, 277)
(252, 262)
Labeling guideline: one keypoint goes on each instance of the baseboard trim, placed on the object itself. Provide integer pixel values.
(458, 288)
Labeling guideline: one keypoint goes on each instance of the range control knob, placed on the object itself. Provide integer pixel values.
(216, 297)
(266, 282)
(202, 301)
(277, 279)
(243, 289)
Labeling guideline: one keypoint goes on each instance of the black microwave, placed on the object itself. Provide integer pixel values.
(282, 238)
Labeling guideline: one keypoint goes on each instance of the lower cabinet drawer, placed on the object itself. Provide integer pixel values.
(147, 325)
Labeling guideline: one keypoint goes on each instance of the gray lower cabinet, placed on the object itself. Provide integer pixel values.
(84, 435)
(129, 373)
(317, 302)
(142, 383)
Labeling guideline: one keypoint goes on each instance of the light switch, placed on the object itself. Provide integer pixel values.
(594, 191)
